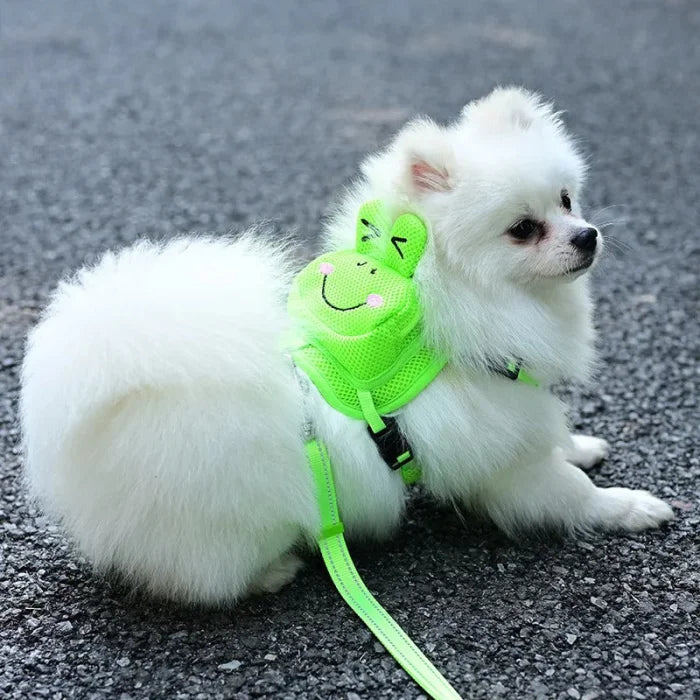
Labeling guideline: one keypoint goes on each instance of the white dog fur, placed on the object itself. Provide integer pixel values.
(163, 422)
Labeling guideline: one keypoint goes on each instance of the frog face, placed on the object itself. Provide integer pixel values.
(357, 292)
(373, 300)
(353, 292)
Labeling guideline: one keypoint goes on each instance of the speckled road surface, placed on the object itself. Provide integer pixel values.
(124, 118)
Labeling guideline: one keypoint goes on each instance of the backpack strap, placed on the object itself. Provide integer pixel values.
(391, 443)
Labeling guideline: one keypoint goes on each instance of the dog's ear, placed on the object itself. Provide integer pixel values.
(421, 161)
(426, 157)
(509, 109)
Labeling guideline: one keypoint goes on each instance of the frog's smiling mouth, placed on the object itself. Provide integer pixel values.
(333, 306)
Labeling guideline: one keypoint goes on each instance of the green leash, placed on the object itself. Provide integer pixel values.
(349, 584)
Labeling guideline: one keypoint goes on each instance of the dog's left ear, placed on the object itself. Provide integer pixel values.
(426, 157)
(420, 162)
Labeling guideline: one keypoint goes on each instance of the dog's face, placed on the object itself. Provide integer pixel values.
(500, 188)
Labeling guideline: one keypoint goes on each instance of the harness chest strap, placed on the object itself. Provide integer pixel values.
(390, 441)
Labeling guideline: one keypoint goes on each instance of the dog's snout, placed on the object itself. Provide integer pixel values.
(585, 239)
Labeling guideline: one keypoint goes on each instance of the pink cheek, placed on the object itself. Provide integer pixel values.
(374, 300)
(326, 268)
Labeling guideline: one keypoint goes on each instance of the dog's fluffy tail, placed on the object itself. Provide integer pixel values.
(161, 418)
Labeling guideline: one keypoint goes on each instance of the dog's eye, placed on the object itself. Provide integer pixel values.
(565, 200)
(524, 230)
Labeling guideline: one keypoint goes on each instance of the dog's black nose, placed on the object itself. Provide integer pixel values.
(585, 239)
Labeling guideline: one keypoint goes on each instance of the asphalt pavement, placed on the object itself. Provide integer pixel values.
(119, 119)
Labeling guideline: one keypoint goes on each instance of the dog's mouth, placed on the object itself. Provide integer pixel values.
(579, 268)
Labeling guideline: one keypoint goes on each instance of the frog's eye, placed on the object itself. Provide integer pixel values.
(360, 264)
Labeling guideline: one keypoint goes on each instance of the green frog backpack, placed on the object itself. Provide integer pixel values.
(358, 320)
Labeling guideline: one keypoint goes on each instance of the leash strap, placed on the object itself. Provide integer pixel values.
(349, 584)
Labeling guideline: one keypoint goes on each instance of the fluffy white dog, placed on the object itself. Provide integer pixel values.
(163, 421)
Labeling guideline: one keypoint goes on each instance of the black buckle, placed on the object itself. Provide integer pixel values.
(392, 445)
(511, 373)
(509, 370)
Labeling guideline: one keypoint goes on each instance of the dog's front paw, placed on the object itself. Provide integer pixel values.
(588, 451)
(627, 509)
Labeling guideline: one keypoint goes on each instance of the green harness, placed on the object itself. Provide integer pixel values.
(358, 337)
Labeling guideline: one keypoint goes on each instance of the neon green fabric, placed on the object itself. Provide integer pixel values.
(348, 582)
(521, 374)
(358, 319)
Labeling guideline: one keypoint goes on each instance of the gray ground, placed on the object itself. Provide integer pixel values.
(129, 117)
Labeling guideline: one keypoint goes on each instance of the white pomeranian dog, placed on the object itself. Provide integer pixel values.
(164, 422)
